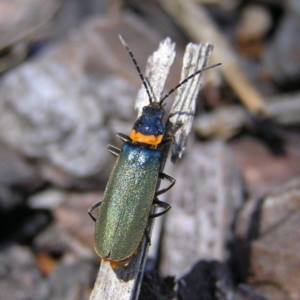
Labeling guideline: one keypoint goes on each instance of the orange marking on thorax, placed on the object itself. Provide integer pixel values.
(146, 139)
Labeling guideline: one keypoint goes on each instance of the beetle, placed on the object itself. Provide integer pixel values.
(131, 189)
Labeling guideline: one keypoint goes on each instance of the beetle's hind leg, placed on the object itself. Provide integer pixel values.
(168, 178)
(92, 208)
(162, 204)
(159, 203)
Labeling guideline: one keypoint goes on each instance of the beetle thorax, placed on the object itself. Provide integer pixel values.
(149, 128)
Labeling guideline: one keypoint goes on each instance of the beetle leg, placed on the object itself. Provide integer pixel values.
(147, 237)
(113, 150)
(168, 178)
(160, 204)
(124, 137)
(92, 208)
(167, 140)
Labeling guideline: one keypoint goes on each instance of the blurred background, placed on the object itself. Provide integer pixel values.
(67, 85)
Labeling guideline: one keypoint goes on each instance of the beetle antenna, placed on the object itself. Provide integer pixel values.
(151, 89)
(185, 80)
(137, 67)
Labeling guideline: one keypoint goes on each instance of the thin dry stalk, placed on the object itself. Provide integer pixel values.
(193, 19)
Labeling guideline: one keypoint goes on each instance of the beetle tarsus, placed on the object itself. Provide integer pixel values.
(162, 204)
(92, 208)
(167, 178)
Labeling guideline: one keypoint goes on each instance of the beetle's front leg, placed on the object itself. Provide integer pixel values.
(167, 140)
(124, 137)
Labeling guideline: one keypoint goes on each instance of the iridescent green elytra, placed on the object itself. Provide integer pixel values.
(127, 201)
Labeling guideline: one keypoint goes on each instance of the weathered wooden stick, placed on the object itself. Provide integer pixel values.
(204, 201)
